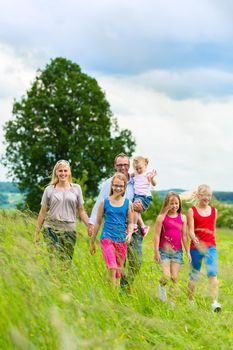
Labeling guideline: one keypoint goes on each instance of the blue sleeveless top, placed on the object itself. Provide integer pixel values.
(115, 221)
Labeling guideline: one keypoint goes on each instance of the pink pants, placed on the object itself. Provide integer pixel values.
(114, 254)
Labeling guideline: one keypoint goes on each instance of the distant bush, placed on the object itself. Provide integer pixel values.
(8, 187)
(154, 208)
(3, 200)
(225, 211)
(225, 215)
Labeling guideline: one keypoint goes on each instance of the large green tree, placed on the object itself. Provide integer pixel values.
(64, 115)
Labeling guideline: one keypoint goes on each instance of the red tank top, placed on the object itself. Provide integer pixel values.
(204, 228)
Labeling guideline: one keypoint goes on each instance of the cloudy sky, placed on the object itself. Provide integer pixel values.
(166, 68)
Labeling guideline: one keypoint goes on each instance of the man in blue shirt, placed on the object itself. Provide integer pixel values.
(134, 254)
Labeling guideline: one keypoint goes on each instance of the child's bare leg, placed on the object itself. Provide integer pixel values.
(120, 264)
(166, 274)
(165, 266)
(175, 268)
(136, 217)
(140, 221)
(191, 289)
(213, 287)
(112, 276)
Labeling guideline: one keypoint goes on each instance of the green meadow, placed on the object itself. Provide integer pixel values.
(44, 305)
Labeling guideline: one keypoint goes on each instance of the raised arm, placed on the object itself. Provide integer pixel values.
(151, 177)
(158, 228)
(40, 221)
(99, 218)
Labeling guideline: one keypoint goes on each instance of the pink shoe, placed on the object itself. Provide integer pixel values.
(145, 230)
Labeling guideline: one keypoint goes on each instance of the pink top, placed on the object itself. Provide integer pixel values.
(171, 233)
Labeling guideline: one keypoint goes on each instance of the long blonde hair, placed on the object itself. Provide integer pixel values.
(54, 178)
(191, 196)
(121, 177)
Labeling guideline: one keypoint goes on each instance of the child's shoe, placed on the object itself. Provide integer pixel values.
(162, 293)
(135, 229)
(191, 302)
(216, 307)
(145, 230)
(172, 304)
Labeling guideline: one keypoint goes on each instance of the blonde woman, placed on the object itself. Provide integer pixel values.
(60, 203)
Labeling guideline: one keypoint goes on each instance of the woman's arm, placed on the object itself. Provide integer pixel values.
(185, 238)
(158, 228)
(40, 221)
(83, 215)
(130, 219)
(99, 218)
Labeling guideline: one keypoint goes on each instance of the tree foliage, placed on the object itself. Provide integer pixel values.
(64, 115)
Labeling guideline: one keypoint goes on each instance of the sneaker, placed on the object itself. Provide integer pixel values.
(162, 293)
(216, 307)
(145, 230)
(135, 229)
(191, 302)
(172, 304)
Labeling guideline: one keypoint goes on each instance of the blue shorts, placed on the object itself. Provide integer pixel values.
(145, 200)
(211, 262)
(171, 255)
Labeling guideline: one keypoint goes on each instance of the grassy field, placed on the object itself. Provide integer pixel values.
(45, 306)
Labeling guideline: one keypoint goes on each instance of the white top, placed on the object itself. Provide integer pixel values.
(142, 185)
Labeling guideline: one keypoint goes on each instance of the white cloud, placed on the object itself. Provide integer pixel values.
(111, 33)
(177, 100)
(16, 74)
(188, 142)
(16, 71)
(200, 82)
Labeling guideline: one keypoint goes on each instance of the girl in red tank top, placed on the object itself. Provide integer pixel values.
(201, 224)
(170, 233)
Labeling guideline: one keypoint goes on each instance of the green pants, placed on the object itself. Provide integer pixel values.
(63, 242)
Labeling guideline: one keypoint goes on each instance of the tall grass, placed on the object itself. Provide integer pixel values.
(44, 305)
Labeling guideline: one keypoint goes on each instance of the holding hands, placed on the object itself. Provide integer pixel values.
(189, 256)
(90, 229)
(128, 239)
(92, 248)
